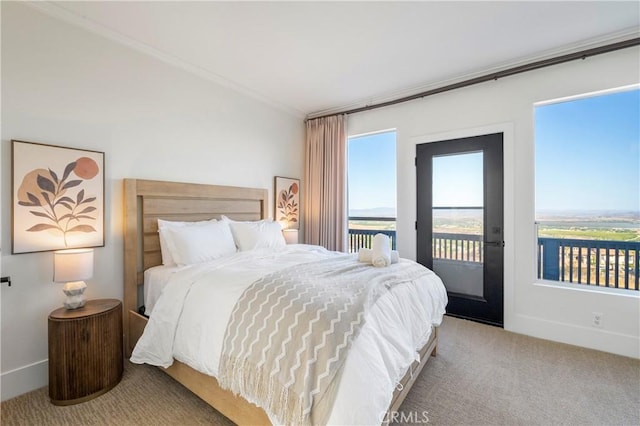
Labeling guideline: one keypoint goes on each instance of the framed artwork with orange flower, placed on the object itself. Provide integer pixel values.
(57, 198)
(287, 202)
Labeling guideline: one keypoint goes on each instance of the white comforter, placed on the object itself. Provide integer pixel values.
(189, 320)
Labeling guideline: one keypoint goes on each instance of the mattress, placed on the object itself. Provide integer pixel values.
(190, 315)
(155, 280)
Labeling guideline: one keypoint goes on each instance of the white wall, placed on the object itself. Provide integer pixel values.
(560, 314)
(65, 86)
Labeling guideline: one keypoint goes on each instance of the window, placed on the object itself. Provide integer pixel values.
(371, 177)
(588, 189)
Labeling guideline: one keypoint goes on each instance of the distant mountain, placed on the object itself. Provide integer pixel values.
(374, 212)
(589, 215)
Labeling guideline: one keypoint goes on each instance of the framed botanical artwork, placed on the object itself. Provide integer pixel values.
(57, 199)
(287, 202)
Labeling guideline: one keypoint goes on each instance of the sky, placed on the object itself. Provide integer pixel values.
(462, 172)
(372, 171)
(587, 153)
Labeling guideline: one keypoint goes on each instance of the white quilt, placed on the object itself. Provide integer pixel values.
(191, 315)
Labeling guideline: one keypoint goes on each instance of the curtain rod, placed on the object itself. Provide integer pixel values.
(583, 54)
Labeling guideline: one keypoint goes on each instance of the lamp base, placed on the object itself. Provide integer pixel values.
(75, 294)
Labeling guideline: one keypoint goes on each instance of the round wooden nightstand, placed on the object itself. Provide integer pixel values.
(85, 351)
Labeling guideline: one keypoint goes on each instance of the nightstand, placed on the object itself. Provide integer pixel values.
(85, 351)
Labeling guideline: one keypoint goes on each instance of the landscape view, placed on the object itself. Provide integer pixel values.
(383, 218)
(586, 225)
(590, 225)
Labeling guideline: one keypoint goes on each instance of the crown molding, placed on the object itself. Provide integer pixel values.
(611, 38)
(59, 12)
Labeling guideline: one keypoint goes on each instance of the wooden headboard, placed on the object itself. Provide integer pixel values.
(146, 201)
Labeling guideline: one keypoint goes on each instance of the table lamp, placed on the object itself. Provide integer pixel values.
(73, 267)
(290, 235)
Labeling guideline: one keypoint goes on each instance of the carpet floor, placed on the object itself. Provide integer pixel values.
(482, 376)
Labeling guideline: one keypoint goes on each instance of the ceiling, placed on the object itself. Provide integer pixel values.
(310, 58)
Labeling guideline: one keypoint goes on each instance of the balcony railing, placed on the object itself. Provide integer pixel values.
(602, 263)
(463, 247)
(614, 264)
(359, 238)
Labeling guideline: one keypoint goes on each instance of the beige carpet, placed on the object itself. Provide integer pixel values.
(481, 376)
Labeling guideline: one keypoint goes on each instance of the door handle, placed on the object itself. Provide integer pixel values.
(494, 243)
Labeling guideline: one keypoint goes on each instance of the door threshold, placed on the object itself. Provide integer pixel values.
(480, 320)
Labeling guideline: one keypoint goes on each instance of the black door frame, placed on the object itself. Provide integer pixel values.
(490, 308)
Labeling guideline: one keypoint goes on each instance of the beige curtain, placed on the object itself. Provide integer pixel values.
(325, 211)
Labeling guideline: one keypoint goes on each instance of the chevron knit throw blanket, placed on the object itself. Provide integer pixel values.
(290, 331)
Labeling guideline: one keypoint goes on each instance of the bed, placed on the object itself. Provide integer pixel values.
(146, 202)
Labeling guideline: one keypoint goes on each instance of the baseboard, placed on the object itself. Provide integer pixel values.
(24, 379)
(587, 337)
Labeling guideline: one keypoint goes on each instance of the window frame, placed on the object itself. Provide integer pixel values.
(565, 285)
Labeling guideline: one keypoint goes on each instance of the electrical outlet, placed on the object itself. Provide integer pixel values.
(597, 318)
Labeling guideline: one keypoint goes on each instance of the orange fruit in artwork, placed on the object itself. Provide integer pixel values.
(86, 168)
(294, 188)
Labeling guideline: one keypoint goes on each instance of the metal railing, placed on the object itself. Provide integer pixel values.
(359, 238)
(614, 264)
(463, 247)
(602, 263)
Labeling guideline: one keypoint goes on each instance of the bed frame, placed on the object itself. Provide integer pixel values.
(146, 201)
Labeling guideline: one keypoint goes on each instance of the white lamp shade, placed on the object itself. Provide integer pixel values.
(290, 236)
(72, 265)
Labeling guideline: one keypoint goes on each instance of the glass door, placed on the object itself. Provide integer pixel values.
(460, 215)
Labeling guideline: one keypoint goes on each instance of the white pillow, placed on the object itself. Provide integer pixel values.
(196, 244)
(252, 235)
(167, 259)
